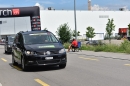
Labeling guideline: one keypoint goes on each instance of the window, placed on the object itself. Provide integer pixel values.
(11, 39)
(16, 39)
(39, 38)
(103, 16)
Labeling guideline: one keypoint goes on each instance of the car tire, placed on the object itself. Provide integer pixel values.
(6, 52)
(24, 67)
(62, 65)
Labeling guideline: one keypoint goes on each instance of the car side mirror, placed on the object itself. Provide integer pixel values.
(60, 41)
(18, 44)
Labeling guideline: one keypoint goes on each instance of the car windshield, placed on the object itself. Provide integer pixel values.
(11, 39)
(39, 38)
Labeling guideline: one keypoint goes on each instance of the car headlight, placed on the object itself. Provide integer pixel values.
(62, 51)
(9, 46)
(30, 52)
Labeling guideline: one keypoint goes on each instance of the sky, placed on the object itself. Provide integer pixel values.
(68, 4)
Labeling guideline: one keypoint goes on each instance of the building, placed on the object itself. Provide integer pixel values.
(51, 19)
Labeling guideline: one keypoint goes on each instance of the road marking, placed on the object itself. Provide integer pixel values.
(17, 67)
(127, 64)
(41, 82)
(4, 59)
(0, 84)
(89, 58)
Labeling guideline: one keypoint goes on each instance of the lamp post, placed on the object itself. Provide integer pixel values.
(14, 21)
(75, 20)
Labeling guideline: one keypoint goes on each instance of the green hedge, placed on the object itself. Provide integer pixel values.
(124, 47)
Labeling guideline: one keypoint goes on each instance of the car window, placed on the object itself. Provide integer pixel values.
(39, 38)
(11, 39)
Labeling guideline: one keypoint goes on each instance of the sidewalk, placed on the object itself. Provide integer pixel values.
(121, 56)
(2, 43)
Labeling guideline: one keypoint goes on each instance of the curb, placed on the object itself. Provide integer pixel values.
(102, 56)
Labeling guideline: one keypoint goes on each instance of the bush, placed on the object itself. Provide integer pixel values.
(87, 47)
(66, 45)
(124, 47)
(99, 48)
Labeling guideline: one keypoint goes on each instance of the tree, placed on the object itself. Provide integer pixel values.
(90, 32)
(110, 27)
(129, 29)
(74, 33)
(64, 32)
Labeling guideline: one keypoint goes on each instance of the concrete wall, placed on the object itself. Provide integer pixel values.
(52, 19)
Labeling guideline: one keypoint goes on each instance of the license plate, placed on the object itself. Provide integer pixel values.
(48, 58)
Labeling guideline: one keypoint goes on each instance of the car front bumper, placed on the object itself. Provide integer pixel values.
(40, 60)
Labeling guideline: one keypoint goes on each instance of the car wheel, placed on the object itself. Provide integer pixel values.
(62, 65)
(13, 61)
(5, 52)
(24, 68)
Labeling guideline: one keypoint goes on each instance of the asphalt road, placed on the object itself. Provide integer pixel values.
(81, 70)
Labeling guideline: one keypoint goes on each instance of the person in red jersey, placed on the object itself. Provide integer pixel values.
(73, 44)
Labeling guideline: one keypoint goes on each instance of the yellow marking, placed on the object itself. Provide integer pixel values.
(127, 64)
(4, 59)
(16, 67)
(41, 82)
(89, 58)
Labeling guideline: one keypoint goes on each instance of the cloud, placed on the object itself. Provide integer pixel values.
(108, 7)
(97, 8)
(41, 7)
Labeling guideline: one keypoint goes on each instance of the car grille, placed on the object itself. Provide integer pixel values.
(43, 52)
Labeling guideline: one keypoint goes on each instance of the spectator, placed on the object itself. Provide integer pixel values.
(73, 45)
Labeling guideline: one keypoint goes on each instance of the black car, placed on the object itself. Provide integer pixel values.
(38, 48)
(8, 44)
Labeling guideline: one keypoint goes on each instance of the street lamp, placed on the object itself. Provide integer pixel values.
(14, 21)
(75, 20)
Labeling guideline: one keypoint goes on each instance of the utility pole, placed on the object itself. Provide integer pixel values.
(75, 19)
(0, 29)
(89, 5)
(14, 22)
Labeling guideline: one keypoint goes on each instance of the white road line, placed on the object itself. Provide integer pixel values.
(0, 84)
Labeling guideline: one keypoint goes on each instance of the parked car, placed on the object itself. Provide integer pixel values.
(38, 48)
(94, 42)
(8, 44)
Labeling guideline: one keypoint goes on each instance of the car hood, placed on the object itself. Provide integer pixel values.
(42, 47)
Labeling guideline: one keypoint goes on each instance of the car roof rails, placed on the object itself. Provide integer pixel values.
(21, 31)
(45, 30)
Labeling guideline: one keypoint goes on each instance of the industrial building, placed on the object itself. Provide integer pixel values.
(52, 19)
